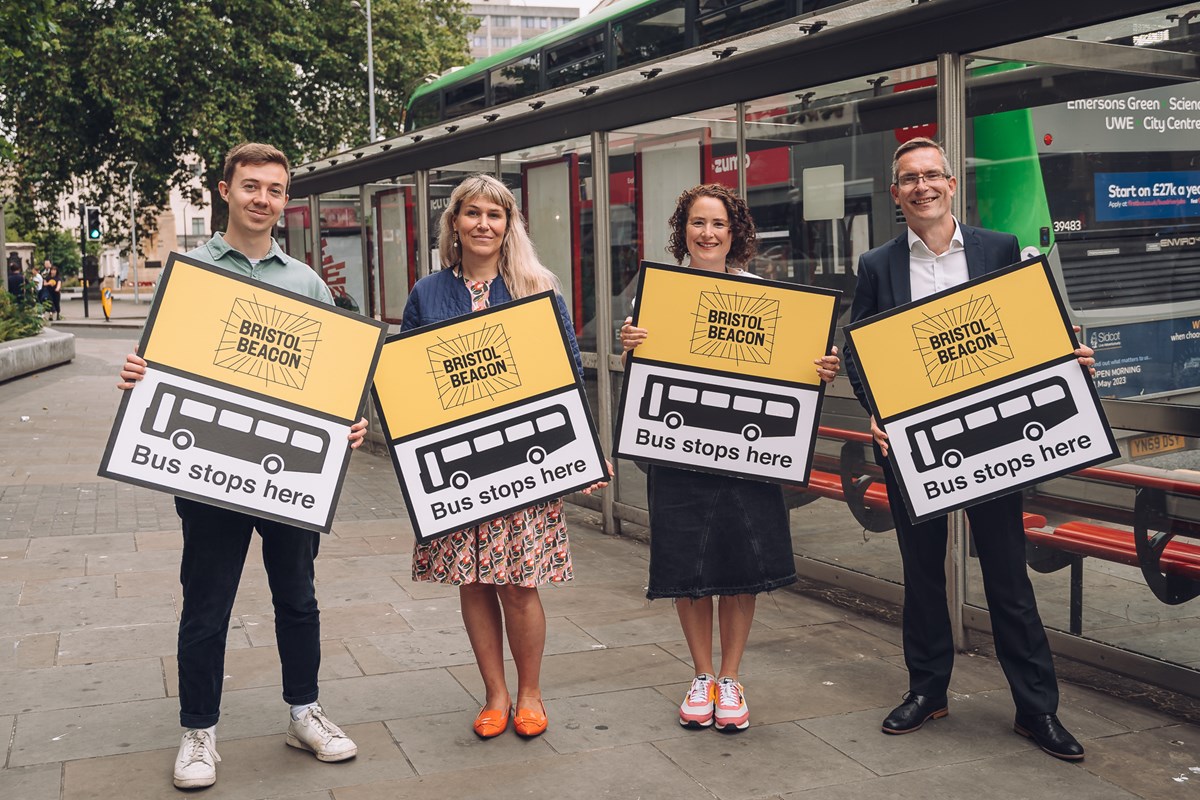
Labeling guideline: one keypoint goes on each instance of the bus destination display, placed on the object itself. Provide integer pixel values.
(485, 415)
(248, 396)
(979, 390)
(725, 380)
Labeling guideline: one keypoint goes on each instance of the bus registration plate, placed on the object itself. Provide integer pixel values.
(1155, 444)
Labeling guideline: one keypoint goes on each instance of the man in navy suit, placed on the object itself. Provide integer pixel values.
(936, 253)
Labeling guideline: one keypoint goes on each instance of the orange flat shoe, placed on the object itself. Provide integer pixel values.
(491, 723)
(530, 723)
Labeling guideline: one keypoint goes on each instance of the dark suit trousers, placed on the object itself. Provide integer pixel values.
(998, 533)
(215, 543)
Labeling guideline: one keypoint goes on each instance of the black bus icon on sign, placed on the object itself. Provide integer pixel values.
(1022, 414)
(753, 414)
(188, 418)
(525, 439)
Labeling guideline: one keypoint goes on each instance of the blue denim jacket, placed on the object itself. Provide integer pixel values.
(443, 295)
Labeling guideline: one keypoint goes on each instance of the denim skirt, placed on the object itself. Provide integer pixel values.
(716, 535)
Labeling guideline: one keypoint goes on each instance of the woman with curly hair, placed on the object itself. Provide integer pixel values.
(487, 259)
(714, 534)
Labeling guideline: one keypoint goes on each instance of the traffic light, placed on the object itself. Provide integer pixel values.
(93, 223)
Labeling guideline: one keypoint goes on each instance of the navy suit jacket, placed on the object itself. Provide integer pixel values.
(883, 279)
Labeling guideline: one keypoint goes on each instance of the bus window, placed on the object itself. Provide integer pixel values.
(197, 410)
(269, 430)
(488, 441)
(714, 399)
(656, 31)
(984, 416)
(751, 405)
(423, 112)
(683, 394)
(1018, 405)
(239, 422)
(1048, 395)
(778, 409)
(516, 80)
(453, 452)
(718, 19)
(575, 60)
(944, 430)
(551, 421)
(522, 430)
(465, 99)
(306, 441)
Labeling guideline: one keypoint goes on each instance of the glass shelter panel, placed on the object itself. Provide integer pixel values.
(649, 166)
(552, 183)
(295, 232)
(818, 172)
(392, 256)
(1098, 169)
(342, 231)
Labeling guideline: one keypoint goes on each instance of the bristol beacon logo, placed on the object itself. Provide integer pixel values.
(736, 327)
(266, 342)
(473, 366)
(962, 340)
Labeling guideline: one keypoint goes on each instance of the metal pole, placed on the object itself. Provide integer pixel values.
(133, 234)
(601, 241)
(371, 73)
(951, 107)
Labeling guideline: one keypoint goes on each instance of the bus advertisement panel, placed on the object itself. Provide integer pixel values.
(248, 396)
(979, 390)
(709, 389)
(485, 415)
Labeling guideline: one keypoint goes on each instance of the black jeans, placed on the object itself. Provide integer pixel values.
(215, 541)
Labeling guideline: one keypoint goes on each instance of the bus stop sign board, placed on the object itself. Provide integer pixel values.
(248, 396)
(485, 415)
(725, 381)
(979, 390)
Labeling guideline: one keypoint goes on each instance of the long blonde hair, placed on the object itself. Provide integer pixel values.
(523, 273)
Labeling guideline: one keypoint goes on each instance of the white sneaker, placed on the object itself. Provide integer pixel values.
(731, 714)
(696, 710)
(315, 733)
(196, 762)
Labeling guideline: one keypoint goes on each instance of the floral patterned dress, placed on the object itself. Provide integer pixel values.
(527, 548)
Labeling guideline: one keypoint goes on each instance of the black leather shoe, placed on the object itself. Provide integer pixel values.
(1049, 734)
(914, 712)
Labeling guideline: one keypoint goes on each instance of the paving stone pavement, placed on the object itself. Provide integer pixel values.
(89, 598)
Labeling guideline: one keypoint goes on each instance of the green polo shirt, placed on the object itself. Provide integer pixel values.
(277, 268)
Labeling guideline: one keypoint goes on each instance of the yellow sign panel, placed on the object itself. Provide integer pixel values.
(247, 335)
(718, 322)
(986, 330)
(444, 373)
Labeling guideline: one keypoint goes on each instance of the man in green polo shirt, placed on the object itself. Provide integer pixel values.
(215, 540)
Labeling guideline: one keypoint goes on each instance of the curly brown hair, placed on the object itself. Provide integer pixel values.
(743, 237)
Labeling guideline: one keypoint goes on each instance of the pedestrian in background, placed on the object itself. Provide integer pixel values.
(487, 259)
(714, 535)
(52, 289)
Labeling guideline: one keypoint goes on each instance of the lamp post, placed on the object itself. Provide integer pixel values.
(132, 230)
(370, 63)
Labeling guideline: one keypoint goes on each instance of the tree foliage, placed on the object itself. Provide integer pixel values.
(88, 85)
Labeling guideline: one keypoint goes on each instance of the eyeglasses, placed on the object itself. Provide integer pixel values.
(933, 176)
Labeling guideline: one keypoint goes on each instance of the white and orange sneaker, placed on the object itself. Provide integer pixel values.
(696, 710)
(731, 714)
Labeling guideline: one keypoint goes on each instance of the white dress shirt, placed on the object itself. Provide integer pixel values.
(931, 272)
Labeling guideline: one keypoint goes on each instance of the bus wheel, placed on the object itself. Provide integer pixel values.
(952, 458)
(182, 439)
(1034, 431)
(536, 455)
(751, 432)
(272, 464)
(459, 480)
(673, 420)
